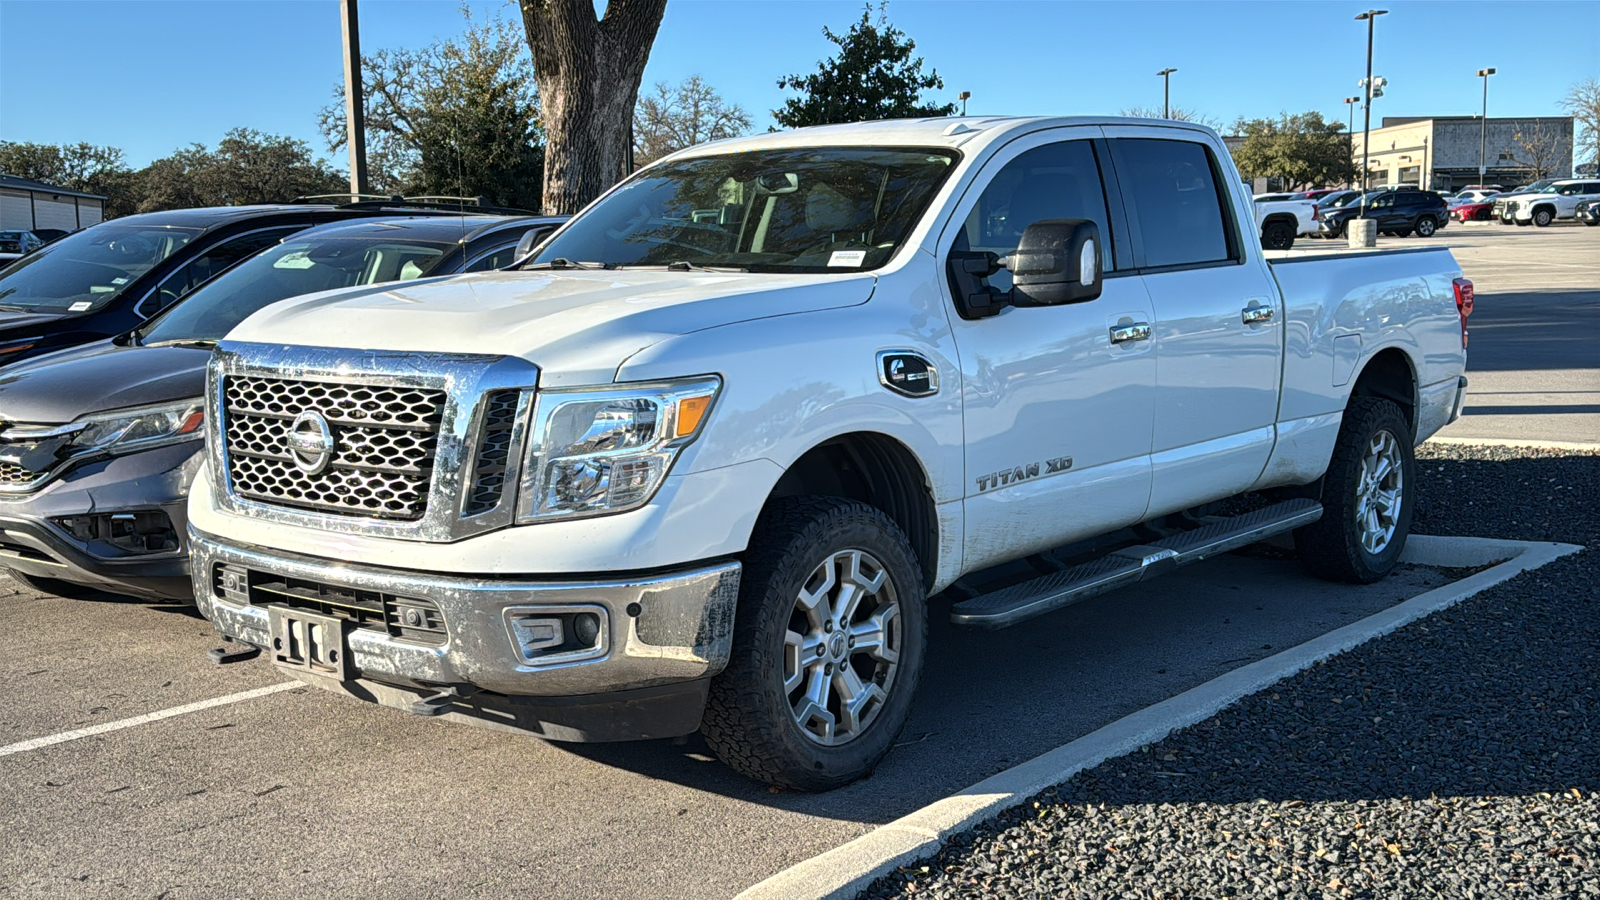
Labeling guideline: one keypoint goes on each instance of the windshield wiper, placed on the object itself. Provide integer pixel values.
(183, 342)
(561, 262)
(683, 265)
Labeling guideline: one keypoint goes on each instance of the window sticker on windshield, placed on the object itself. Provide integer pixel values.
(80, 306)
(119, 281)
(852, 258)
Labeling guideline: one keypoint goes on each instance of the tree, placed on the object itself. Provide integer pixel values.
(1539, 148)
(247, 167)
(873, 76)
(673, 118)
(1583, 103)
(76, 167)
(460, 117)
(1178, 114)
(588, 71)
(1302, 150)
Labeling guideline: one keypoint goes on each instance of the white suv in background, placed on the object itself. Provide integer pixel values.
(1558, 201)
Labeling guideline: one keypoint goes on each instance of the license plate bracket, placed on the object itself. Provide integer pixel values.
(309, 642)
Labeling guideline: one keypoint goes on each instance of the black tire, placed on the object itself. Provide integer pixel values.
(1591, 222)
(1331, 547)
(749, 720)
(1404, 232)
(1543, 217)
(1426, 226)
(1522, 224)
(1277, 236)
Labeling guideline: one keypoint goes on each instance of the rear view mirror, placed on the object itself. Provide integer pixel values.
(1057, 261)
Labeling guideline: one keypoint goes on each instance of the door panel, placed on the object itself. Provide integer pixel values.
(1057, 416)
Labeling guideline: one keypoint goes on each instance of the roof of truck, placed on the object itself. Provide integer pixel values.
(951, 131)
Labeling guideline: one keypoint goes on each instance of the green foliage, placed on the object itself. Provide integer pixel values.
(76, 167)
(673, 118)
(247, 167)
(1301, 150)
(460, 117)
(873, 76)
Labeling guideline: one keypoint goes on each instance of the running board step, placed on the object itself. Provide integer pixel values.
(1130, 565)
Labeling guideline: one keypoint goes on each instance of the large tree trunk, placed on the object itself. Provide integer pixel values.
(588, 72)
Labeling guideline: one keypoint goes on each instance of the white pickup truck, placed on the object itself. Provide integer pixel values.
(1282, 217)
(702, 462)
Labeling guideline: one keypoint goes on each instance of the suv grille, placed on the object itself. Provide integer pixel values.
(385, 439)
(494, 452)
(11, 473)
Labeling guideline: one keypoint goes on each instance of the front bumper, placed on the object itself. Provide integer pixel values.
(656, 629)
(34, 543)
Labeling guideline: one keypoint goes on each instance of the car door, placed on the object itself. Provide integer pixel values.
(1057, 415)
(1218, 334)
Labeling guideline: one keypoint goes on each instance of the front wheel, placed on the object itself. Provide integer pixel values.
(827, 648)
(1367, 497)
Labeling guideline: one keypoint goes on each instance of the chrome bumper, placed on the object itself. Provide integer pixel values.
(655, 629)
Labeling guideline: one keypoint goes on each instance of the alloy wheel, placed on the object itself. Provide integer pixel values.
(842, 648)
(1380, 492)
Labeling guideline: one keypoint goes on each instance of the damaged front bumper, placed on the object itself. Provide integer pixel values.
(601, 658)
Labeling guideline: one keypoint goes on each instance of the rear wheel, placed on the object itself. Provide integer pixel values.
(828, 646)
(1367, 497)
(1403, 232)
(1426, 226)
(1543, 217)
(1277, 236)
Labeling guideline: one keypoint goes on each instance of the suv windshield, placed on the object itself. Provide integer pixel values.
(808, 209)
(298, 266)
(88, 269)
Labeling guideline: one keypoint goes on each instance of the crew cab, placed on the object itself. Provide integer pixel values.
(711, 459)
(1281, 217)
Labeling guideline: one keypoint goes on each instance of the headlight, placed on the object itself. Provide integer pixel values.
(605, 451)
(130, 430)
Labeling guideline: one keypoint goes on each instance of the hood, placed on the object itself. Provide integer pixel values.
(577, 326)
(60, 387)
(26, 324)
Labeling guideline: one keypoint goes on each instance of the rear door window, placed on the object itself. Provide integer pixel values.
(209, 263)
(1174, 201)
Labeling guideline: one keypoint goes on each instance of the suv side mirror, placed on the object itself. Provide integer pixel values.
(1057, 261)
(530, 239)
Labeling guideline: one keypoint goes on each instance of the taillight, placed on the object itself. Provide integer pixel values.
(1463, 305)
(1313, 210)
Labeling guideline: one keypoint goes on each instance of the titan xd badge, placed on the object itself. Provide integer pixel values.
(1023, 473)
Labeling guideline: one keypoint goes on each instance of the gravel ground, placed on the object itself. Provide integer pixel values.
(1457, 757)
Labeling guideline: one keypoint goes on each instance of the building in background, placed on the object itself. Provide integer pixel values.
(26, 205)
(1441, 152)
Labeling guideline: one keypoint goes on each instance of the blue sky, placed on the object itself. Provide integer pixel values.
(153, 76)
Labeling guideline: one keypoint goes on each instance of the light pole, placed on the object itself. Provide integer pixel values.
(1166, 92)
(963, 98)
(1370, 16)
(354, 115)
(1483, 132)
(1350, 132)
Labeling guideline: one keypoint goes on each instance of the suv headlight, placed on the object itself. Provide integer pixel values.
(140, 428)
(608, 450)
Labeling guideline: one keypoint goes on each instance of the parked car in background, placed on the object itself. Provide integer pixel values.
(1471, 210)
(1503, 202)
(17, 244)
(1588, 212)
(1399, 212)
(100, 441)
(1281, 217)
(106, 279)
(50, 235)
(1558, 201)
(1319, 194)
(1476, 195)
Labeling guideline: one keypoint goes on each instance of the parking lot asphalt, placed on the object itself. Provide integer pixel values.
(300, 792)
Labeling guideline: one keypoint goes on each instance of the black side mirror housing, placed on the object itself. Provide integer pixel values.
(1057, 261)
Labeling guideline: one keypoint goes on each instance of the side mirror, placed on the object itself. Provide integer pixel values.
(530, 239)
(1057, 261)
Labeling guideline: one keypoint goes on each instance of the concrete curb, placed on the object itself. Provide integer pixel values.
(845, 871)
(1515, 442)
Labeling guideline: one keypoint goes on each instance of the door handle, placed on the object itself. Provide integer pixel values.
(1137, 331)
(1255, 315)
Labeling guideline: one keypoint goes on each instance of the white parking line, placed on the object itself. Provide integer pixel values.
(92, 730)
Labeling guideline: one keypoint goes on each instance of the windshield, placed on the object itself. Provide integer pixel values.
(299, 266)
(88, 269)
(1334, 201)
(808, 209)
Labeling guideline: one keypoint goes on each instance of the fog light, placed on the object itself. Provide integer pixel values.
(586, 628)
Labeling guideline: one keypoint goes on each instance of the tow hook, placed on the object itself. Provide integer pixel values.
(440, 703)
(233, 652)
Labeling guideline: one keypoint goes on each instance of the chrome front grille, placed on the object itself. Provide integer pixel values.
(394, 444)
(385, 439)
